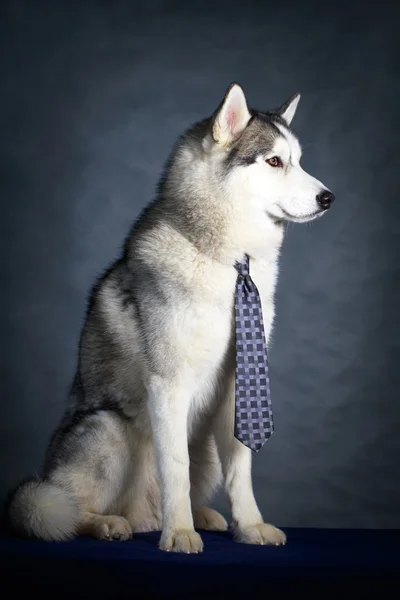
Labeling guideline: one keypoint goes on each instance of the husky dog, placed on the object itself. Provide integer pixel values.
(148, 432)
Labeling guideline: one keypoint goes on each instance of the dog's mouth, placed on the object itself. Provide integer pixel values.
(296, 219)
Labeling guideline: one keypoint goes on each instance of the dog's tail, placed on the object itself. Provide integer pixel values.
(39, 508)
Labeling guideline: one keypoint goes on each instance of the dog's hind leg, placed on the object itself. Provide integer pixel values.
(105, 527)
(141, 501)
(205, 477)
(92, 461)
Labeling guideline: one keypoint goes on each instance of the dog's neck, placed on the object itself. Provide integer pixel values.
(221, 233)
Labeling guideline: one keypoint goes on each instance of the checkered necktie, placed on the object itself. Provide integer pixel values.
(253, 414)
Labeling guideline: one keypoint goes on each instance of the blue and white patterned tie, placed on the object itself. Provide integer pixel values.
(253, 412)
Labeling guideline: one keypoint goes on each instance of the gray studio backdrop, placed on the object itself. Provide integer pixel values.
(92, 97)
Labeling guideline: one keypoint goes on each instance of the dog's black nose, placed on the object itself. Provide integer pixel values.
(325, 199)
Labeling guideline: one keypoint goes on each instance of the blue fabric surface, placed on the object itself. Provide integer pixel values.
(314, 561)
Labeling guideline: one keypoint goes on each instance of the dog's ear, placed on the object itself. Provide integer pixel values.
(288, 110)
(231, 117)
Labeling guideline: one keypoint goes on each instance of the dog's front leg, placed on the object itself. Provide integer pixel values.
(168, 407)
(236, 459)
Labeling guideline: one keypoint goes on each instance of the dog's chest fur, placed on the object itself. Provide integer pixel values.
(211, 315)
(208, 343)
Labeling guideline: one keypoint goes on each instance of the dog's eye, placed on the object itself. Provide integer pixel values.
(275, 161)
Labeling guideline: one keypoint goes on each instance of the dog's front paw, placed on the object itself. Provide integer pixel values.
(181, 540)
(262, 534)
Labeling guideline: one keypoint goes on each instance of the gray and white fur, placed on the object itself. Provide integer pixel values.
(147, 435)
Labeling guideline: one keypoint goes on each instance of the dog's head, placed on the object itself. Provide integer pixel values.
(260, 156)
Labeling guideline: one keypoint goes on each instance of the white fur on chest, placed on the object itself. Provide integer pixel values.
(210, 316)
(210, 325)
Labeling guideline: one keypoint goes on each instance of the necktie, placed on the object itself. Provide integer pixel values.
(253, 413)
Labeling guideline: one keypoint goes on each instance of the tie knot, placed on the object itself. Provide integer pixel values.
(242, 267)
